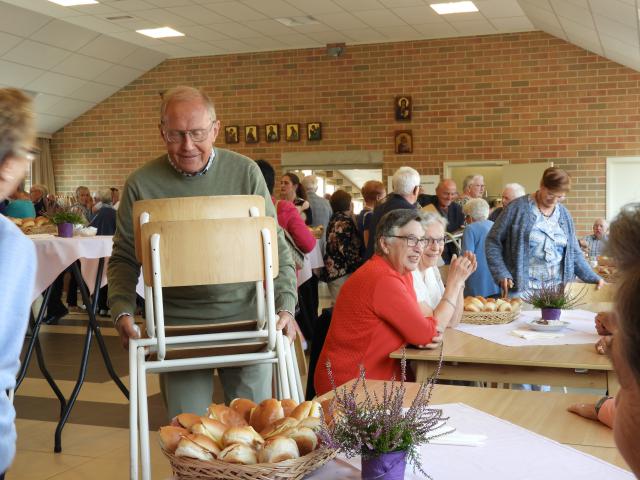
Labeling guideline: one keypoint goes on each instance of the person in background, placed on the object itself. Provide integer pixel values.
(342, 256)
(38, 194)
(510, 193)
(593, 245)
(84, 203)
(472, 187)
(373, 192)
(480, 282)
(406, 187)
(292, 190)
(320, 208)
(115, 197)
(445, 304)
(444, 201)
(377, 312)
(105, 222)
(17, 258)
(533, 242)
(20, 205)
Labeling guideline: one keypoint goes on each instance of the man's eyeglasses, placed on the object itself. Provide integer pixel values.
(424, 242)
(197, 135)
(29, 154)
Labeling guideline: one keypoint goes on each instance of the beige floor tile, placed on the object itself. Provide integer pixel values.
(31, 465)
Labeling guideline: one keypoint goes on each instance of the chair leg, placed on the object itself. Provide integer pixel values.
(297, 382)
(133, 410)
(282, 366)
(143, 416)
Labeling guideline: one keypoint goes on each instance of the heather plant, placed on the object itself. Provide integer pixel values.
(367, 425)
(554, 295)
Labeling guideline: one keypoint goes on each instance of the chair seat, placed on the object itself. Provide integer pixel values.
(194, 351)
(203, 329)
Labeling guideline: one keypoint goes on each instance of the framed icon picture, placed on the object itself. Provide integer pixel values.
(292, 132)
(251, 134)
(403, 141)
(231, 134)
(314, 131)
(403, 108)
(272, 132)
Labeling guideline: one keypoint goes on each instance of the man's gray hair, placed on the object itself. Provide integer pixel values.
(518, 190)
(310, 183)
(468, 180)
(405, 180)
(105, 196)
(40, 188)
(476, 208)
(429, 218)
(392, 221)
(185, 94)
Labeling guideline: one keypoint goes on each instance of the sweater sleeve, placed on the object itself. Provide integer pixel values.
(292, 222)
(494, 245)
(396, 305)
(581, 267)
(468, 240)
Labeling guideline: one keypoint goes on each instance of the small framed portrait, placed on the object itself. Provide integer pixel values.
(403, 141)
(314, 131)
(231, 134)
(292, 132)
(403, 108)
(272, 132)
(251, 134)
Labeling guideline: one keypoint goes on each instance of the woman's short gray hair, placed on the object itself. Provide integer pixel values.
(476, 208)
(429, 218)
(392, 221)
(405, 180)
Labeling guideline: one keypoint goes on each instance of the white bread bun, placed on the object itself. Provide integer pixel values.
(516, 301)
(170, 436)
(489, 307)
(245, 435)
(239, 453)
(477, 302)
(505, 307)
(305, 438)
(197, 446)
(279, 427)
(27, 223)
(278, 449)
(310, 408)
(288, 405)
(313, 423)
(16, 221)
(39, 221)
(266, 413)
(226, 415)
(472, 307)
(243, 406)
(210, 428)
(187, 420)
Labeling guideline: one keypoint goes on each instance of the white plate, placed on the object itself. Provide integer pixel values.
(553, 326)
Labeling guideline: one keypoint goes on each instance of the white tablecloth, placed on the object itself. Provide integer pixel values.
(312, 260)
(510, 452)
(581, 330)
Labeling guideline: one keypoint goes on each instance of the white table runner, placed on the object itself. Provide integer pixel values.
(581, 330)
(509, 453)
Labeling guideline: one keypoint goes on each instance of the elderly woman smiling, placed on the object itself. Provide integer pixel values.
(376, 311)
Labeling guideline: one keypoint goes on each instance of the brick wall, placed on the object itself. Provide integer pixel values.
(522, 97)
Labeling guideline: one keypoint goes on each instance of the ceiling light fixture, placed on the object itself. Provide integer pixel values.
(454, 7)
(297, 21)
(162, 32)
(74, 3)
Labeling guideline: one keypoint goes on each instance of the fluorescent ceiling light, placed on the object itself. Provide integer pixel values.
(297, 21)
(162, 32)
(454, 7)
(73, 3)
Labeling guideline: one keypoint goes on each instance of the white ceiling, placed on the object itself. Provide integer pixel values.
(76, 57)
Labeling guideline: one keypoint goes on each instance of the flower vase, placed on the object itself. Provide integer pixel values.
(550, 313)
(384, 466)
(65, 230)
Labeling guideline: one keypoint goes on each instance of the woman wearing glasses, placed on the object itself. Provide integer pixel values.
(533, 242)
(377, 311)
(445, 304)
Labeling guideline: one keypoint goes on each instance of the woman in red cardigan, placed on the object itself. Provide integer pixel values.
(376, 311)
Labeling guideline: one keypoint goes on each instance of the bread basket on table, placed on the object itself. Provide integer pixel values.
(482, 311)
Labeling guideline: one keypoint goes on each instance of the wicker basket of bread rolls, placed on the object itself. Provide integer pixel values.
(275, 440)
(490, 311)
(31, 226)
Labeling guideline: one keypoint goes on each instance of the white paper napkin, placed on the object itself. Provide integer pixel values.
(529, 335)
(451, 436)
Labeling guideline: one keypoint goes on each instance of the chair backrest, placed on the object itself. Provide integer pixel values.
(590, 294)
(209, 251)
(194, 208)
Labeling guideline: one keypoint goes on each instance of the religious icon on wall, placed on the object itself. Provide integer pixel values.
(231, 134)
(272, 131)
(403, 141)
(292, 132)
(251, 134)
(403, 108)
(314, 131)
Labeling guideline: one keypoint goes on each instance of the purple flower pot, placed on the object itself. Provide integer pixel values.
(65, 230)
(551, 313)
(385, 466)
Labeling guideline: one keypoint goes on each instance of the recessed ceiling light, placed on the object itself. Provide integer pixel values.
(162, 32)
(73, 3)
(297, 21)
(454, 7)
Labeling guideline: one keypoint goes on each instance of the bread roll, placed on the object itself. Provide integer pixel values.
(187, 420)
(505, 307)
(243, 406)
(266, 413)
(211, 428)
(27, 223)
(197, 446)
(39, 221)
(278, 449)
(477, 302)
(305, 438)
(16, 221)
(313, 423)
(472, 307)
(170, 437)
(279, 427)
(489, 307)
(239, 453)
(516, 302)
(245, 435)
(288, 405)
(310, 408)
(226, 415)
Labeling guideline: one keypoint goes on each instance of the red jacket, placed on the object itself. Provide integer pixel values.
(292, 222)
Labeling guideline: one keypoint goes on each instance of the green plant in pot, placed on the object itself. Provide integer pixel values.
(385, 434)
(552, 298)
(65, 220)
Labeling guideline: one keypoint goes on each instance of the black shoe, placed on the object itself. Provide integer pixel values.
(54, 318)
